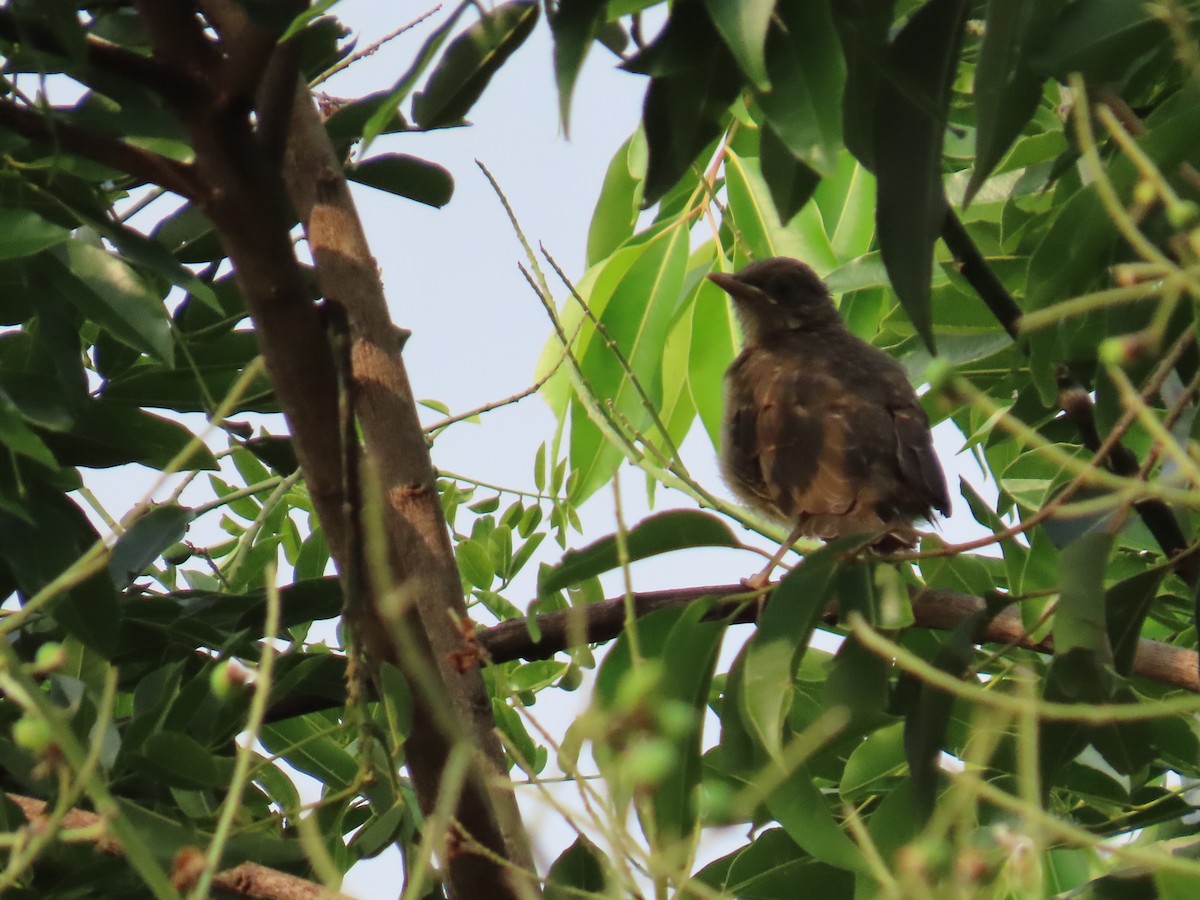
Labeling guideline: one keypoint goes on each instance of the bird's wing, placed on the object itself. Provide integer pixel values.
(803, 438)
(919, 464)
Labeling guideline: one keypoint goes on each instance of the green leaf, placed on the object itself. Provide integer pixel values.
(1006, 90)
(407, 176)
(1126, 605)
(808, 74)
(300, 22)
(928, 718)
(803, 811)
(689, 656)
(1079, 619)
(18, 437)
(582, 867)
(616, 212)
(791, 180)
(677, 411)
(112, 295)
(846, 199)
(38, 551)
(660, 533)
(23, 233)
(475, 564)
(874, 765)
(1072, 254)
(156, 258)
(180, 761)
(775, 651)
(863, 27)
(713, 347)
(1098, 38)
(770, 868)
(910, 123)
(107, 434)
(637, 318)
(145, 540)
(470, 62)
(385, 112)
(574, 25)
(765, 235)
(306, 745)
(743, 25)
(694, 80)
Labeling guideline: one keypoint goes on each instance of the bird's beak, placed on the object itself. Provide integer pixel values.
(738, 289)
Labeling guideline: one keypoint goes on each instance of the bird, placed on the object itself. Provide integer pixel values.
(821, 430)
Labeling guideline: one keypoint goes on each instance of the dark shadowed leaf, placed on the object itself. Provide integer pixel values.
(771, 867)
(180, 761)
(17, 436)
(1126, 604)
(910, 122)
(863, 27)
(743, 26)
(693, 81)
(791, 180)
(1097, 38)
(808, 74)
(145, 540)
(385, 111)
(36, 552)
(581, 867)
(470, 62)
(661, 533)
(1079, 621)
(575, 24)
(114, 296)
(928, 718)
(1006, 89)
(109, 434)
(778, 646)
(408, 176)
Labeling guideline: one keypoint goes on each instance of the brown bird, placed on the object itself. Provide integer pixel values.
(822, 430)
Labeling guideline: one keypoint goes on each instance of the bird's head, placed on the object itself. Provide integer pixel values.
(778, 295)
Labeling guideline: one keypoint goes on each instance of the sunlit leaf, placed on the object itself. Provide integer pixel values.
(660, 533)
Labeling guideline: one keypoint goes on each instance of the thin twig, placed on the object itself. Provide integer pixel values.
(371, 49)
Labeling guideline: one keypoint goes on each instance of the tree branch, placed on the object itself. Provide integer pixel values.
(142, 164)
(937, 609)
(147, 71)
(411, 619)
(974, 268)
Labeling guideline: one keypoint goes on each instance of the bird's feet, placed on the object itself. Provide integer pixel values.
(757, 581)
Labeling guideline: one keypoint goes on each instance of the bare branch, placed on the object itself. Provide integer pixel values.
(938, 609)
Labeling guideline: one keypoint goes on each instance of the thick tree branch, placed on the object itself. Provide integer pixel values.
(974, 268)
(249, 880)
(412, 620)
(142, 164)
(938, 609)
